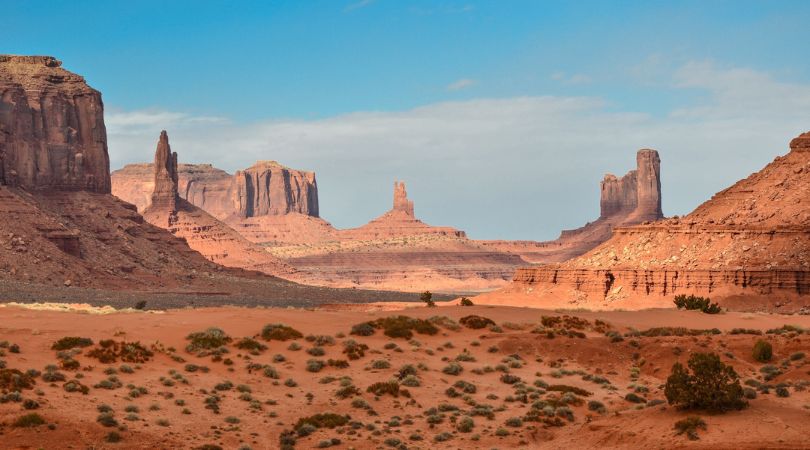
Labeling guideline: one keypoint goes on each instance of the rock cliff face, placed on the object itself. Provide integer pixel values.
(264, 189)
(748, 247)
(632, 199)
(52, 134)
(164, 195)
(204, 233)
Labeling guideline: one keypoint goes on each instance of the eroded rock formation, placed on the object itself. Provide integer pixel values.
(747, 247)
(265, 189)
(632, 199)
(204, 233)
(52, 134)
(401, 202)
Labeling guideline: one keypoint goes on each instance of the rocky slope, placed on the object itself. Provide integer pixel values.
(747, 247)
(632, 199)
(203, 232)
(52, 134)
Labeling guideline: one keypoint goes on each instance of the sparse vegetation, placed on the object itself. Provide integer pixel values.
(280, 332)
(690, 426)
(692, 302)
(29, 421)
(67, 343)
(110, 351)
(476, 322)
(465, 302)
(711, 385)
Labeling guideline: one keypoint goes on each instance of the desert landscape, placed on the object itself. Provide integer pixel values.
(168, 282)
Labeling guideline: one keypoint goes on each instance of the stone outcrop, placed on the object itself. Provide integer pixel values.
(164, 195)
(265, 189)
(632, 199)
(204, 233)
(748, 247)
(52, 134)
(401, 202)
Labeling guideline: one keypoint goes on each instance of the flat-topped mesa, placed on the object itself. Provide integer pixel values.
(164, 195)
(52, 133)
(401, 202)
(268, 188)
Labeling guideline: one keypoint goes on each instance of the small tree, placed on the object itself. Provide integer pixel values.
(711, 385)
(466, 302)
(692, 302)
(763, 351)
(427, 297)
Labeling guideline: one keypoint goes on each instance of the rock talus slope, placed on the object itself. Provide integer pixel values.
(747, 247)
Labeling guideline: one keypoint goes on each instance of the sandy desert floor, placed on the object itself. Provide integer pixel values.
(527, 382)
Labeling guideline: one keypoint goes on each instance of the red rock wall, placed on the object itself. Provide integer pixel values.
(52, 133)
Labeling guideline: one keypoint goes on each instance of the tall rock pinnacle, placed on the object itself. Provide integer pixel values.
(165, 194)
(401, 202)
(648, 175)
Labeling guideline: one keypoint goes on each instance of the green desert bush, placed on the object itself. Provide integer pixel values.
(427, 298)
(280, 332)
(476, 322)
(69, 342)
(763, 351)
(711, 385)
(250, 344)
(29, 420)
(210, 339)
(692, 302)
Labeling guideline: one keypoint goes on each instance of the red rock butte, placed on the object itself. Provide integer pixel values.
(748, 247)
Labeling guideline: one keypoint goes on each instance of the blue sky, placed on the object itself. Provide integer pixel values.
(488, 109)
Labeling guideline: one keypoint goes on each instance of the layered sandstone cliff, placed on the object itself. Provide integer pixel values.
(265, 189)
(52, 134)
(628, 200)
(204, 233)
(747, 247)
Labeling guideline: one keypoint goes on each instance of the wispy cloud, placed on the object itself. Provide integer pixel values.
(576, 78)
(545, 154)
(358, 5)
(463, 83)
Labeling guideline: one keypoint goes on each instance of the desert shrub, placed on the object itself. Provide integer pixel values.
(337, 363)
(320, 340)
(250, 344)
(316, 351)
(763, 351)
(632, 397)
(690, 426)
(673, 331)
(453, 368)
(362, 329)
(323, 420)
(380, 364)
(465, 425)
(29, 420)
(782, 391)
(476, 322)
(107, 419)
(280, 332)
(427, 298)
(596, 406)
(797, 356)
(113, 437)
(692, 302)
(110, 351)
(75, 386)
(508, 378)
(14, 380)
(354, 350)
(69, 342)
(387, 387)
(210, 339)
(51, 375)
(465, 302)
(411, 381)
(315, 365)
(572, 389)
(711, 385)
(30, 404)
(445, 322)
(403, 326)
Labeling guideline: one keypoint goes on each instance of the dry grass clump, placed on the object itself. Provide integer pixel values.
(323, 420)
(29, 420)
(387, 387)
(109, 351)
(251, 345)
(75, 386)
(280, 332)
(354, 350)
(445, 322)
(69, 342)
(14, 380)
(690, 426)
(210, 339)
(476, 322)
